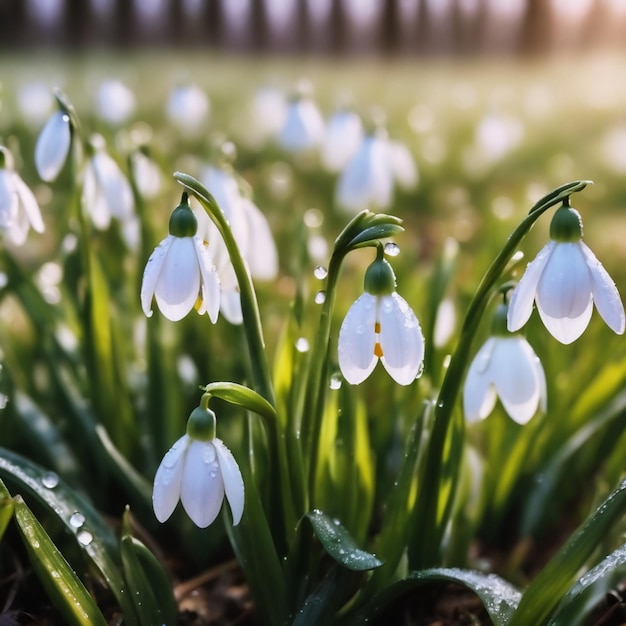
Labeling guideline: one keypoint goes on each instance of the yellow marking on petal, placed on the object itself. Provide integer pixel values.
(378, 351)
(377, 328)
(198, 303)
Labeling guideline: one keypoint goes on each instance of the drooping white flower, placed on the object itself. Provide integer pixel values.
(199, 470)
(565, 279)
(342, 138)
(403, 165)
(506, 367)
(180, 271)
(53, 146)
(367, 180)
(380, 325)
(267, 115)
(19, 210)
(303, 126)
(106, 190)
(146, 174)
(188, 107)
(114, 102)
(250, 230)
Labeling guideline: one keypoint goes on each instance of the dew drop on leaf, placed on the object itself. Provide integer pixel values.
(50, 480)
(320, 297)
(392, 249)
(320, 272)
(302, 345)
(77, 520)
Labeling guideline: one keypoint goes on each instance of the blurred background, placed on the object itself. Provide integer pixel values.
(346, 27)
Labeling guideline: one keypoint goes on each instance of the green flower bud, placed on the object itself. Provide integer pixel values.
(183, 223)
(566, 225)
(379, 278)
(499, 322)
(201, 424)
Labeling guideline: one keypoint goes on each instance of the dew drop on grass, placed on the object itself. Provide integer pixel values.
(320, 272)
(320, 297)
(50, 480)
(84, 537)
(302, 345)
(335, 381)
(77, 520)
(392, 249)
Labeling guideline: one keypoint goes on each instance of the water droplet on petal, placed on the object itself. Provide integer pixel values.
(50, 480)
(420, 370)
(320, 272)
(335, 381)
(84, 537)
(302, 345)
(392, 249)
(320, 297)
(77, 520)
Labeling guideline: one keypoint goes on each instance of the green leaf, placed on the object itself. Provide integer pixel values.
(339, 544)
(498, 596)
(77, 515)
(148, 583)
(590, 589)
(549, 586)
(63, 587)
(242, 396)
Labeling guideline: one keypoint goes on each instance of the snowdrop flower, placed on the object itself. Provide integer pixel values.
(343, 136)
(367, 180)
(250, 230)
(303, 126)
(380, 325)
(114, 102)
(402, 166)
(180, 270)
(106, 190)
(199, 470)
(565, 279)
(187, 108)
(19, 210)
(146, 174)
(506, 367)
(268, 111)
(53, 145)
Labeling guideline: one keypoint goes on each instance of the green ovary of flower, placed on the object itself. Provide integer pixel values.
(566, 225)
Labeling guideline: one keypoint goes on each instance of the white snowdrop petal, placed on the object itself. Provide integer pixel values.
(402, 165)
(515, 377)
(168, 478)
(202, 487)
(605, 294)
(53, 145)
(151, 274)
(114, 186)
(9, 201)
(262, 255)
(401, 339)
(564, 329)
(564, 288)
(230, 306)
(178, 285)
(303, 128)
(210, 281)
(342, 137)
(479, 397)
(233, 481)
(523, 296)
(357, 340)
(29, 204)
(93, 199)
(17, 230)
(367, 180)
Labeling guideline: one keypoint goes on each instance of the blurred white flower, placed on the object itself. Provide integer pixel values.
(250, 230)
(303, 126)
(199, 473)
(380, 326)
(268, 111)
(19, 209)
(565, 279)
(114, 102)
(106, 190)
(34, 102)
(367, 180)
(53, 146)
(343, 136)
(403, 166)
(146, 174)
(506, 367)
(180, 271)
(188, 108)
